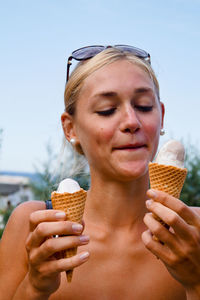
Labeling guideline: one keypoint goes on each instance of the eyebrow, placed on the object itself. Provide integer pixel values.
(144, 90)
(106, 94)
(111, 94)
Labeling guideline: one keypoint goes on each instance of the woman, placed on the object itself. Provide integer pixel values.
(113, 115)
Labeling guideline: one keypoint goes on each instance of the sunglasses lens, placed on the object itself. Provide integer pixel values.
(87, 52)
(136, 51)
(91, 51)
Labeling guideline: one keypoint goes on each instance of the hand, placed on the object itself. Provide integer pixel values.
(42, 248)
(178, 247)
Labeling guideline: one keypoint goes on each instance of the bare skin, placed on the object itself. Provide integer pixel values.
(119, 267)
(122, 261)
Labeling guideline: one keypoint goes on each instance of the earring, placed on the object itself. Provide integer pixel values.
(162, 132)
(72, 141)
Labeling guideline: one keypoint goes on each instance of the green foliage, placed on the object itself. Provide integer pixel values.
(191, 189)
(43, 186)
(5, 213)
(47, 179)
(83, 180)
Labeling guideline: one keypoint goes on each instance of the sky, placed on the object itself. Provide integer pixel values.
(36, 38)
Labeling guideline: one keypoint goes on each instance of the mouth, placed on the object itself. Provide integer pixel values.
(131, 147)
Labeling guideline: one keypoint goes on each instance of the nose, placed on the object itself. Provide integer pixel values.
(130, 121)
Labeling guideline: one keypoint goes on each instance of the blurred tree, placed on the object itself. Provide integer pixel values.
(45, 180)
(5, 213)
(55, 169)
(191, 189)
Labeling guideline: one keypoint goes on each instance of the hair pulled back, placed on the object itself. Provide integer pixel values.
(87, 67)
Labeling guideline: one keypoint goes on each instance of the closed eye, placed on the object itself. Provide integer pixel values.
(144, 108)
(106, 112)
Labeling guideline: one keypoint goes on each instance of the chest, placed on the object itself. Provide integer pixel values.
(120, 273)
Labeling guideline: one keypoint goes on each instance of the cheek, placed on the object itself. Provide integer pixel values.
(153, 125)
(91, 136)
(152, 130)
(104, 134)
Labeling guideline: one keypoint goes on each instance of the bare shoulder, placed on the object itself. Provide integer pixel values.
(20, 217)
(17, 227)
(13, 257)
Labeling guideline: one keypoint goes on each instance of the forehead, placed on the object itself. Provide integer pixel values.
(119, 76)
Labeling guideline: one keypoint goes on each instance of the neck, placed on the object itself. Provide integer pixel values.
(116, 204)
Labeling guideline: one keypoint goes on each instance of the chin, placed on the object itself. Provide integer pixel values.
(133, 171)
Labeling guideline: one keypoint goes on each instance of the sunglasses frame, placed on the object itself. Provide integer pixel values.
(144, 55)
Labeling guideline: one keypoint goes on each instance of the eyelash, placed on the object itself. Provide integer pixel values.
(144, 108)
(107, 112)
(111, 111)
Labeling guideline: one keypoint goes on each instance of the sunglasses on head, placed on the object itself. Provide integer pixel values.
(90, 51)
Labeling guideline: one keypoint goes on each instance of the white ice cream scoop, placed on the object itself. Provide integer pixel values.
(172, 153)
(68, 185)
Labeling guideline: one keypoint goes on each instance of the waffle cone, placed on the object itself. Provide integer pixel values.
(73, 205)
(168, 179)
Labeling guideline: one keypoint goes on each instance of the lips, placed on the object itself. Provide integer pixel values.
(130, 147)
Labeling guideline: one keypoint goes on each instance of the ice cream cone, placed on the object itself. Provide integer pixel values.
(169, 179)
(73, 205)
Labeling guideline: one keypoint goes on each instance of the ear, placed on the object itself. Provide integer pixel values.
(162, 113)
(68, 126)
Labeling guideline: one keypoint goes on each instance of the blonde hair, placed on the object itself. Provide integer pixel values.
(87, 67)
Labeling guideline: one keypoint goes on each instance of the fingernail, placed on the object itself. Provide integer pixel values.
(84, 238)
(152, 194)
(148, 203)
(77, 227)
(84, 255)
(60, 215)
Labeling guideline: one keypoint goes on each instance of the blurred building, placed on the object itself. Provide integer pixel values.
(13, 190)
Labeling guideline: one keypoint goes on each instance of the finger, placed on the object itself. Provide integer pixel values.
(171, 259)
(160, 232)
(158, 249)
(55, 245)
(184, 211)
(49, 215)
(45, 230)
(171, 218)
(83, 223)
(65, 264)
